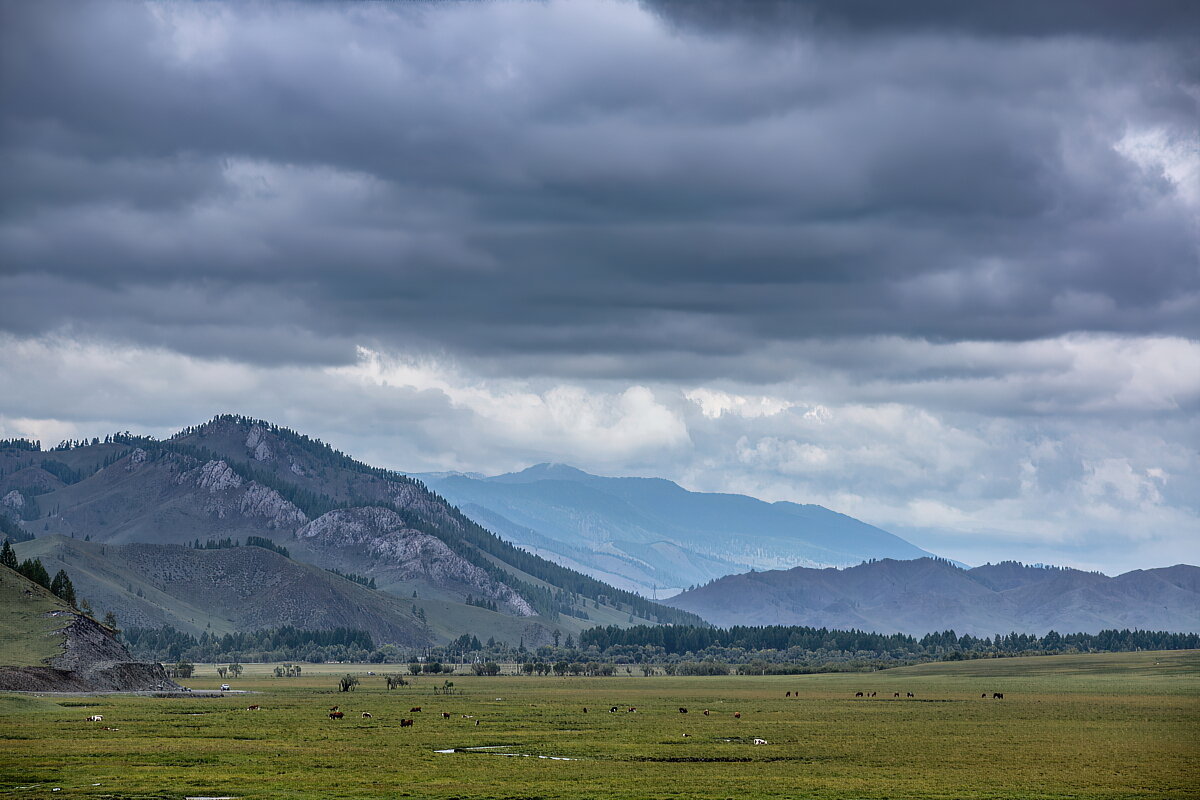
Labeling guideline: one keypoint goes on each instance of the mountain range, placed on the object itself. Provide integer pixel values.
(652, 536)
(924, 595)
(146, 527)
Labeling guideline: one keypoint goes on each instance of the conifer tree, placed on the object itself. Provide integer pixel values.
(62, 587)
(7, 556)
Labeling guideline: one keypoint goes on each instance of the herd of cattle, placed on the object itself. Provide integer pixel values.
(336, 713)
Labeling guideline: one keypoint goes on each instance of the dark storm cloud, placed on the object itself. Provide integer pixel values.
(544, 184)
(1115, 19)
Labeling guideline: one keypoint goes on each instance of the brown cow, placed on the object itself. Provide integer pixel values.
(366, 715)
(632, 709)
(253, 708)
(336, 714)
(406, 723)
(414, 709)
(737, 715)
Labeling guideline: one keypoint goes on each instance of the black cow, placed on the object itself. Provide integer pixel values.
(858, 694)
(997, 696)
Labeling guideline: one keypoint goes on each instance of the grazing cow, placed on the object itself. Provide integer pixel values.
(366, 715)
(874, 693)
(468, 716)
(682, 710)
(789, 694)
(706, 712)
(476, 723)
(632, 709)
(686, 735)
(96, 718)
(335, 708)
(445, 715)
(612, 710)
(737, 715)
(336, 714)
(253, 708)
(585, 709)
(406, 723)
(997, 695)
(983, 696)
(761, 741)
(414, 709)
(858, 694)
(910, 694)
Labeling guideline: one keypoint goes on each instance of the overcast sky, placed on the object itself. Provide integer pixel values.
(935, 265)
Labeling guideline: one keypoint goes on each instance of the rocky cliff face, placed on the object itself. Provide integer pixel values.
(393, 547)
(230, 493)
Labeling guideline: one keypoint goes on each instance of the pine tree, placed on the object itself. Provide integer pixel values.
(7, 556)
(61, 586)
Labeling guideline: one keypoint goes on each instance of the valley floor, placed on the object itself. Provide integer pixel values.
(1091, 726)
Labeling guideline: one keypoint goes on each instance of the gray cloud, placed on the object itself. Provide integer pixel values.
(577, 187)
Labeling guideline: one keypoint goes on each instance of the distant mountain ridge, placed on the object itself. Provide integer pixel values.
(650, 534)
(925, 595)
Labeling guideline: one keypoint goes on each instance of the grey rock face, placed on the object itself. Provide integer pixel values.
(382, 534)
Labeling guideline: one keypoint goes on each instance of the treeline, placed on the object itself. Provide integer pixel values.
(788, 642)
(361, 580)
(286, 643)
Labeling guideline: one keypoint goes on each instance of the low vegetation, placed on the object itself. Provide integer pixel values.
(1078, 726)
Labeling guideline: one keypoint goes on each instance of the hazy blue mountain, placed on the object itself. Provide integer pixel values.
(649, 534)
(926, 595)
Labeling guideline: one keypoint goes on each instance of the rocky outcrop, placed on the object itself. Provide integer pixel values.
(405, 553)
(256, 443)
(92, 661)
(13, 500)
(254, 499)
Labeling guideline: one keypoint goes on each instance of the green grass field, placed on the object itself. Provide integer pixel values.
(28, 634)
(1094, 726)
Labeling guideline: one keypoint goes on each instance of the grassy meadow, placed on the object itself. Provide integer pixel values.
(1088, 726)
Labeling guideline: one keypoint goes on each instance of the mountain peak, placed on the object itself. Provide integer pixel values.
(546, 471)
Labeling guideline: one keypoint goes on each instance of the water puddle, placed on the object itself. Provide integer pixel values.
(493, 750)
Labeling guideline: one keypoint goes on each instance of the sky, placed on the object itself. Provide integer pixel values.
(935, 265)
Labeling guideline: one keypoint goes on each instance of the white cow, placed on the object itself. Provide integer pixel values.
(95, 718)
(761, 741)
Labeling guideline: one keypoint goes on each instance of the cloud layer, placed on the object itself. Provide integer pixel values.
(940, 270)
